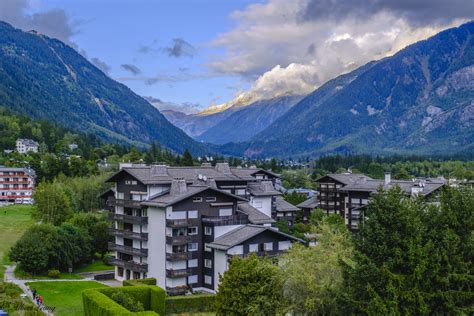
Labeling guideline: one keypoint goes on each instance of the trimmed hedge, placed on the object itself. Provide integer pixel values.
(190, 304)
(149, 281)
(97, 302)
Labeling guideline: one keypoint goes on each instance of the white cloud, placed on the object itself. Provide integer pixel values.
(279, 51)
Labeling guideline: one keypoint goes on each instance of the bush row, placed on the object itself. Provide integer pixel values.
(190, 304)
(97, 302)
(148, 281)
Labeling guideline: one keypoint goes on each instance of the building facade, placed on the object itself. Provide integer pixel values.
(23, 146)
(17, 185)
(172, 223)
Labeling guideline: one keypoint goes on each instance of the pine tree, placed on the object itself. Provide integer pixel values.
(187, 159)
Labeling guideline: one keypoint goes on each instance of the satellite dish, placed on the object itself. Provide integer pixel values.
(200, 176)
(204, 178)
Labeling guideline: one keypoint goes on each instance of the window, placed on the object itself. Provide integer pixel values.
(208, 263)
(241, 192)
(120, 272)
(192, 214)
(355, 201)
(208, 279)
(225, 212)
(207, 248)
(364, 201)
(192, 279)
(253, 247)
(193, 263)
(208, 230)
(197, 199)
(211, 199)
(268, 246)
(193, 246)
(192, 230)
(131, 182)
(283, 245)
(120, 195)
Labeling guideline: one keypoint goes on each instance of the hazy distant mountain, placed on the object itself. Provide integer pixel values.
(44, 78)
(420, 101)
(247, 121)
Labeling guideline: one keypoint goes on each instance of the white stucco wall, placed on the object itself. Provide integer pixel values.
(156, 245)
(263, 204)
(221, 230)
(220, 266)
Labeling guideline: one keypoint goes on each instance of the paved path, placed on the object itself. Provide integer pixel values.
(10, 277)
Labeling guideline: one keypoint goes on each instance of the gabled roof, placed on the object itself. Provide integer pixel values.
(107, 192)
(243, 233)
(311, 203)
(284, 206)
(424, 188)
(165, 174)
(347, 178)
(255, 215)
(166, 198)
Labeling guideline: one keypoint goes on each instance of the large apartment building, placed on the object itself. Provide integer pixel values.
(348, 194)
(181, 225)
(17, 184)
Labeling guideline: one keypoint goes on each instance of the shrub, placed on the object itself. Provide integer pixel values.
(149, 281)
(54, 274)
(100, 302)
(127, 301)
(199, 303)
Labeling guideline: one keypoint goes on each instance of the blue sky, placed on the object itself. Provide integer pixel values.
(196, 53)
(114, 32)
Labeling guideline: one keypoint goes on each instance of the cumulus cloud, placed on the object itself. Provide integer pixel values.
(102, 65)
(134, 70)
(53, 23)
(180, 48)
(296, 46)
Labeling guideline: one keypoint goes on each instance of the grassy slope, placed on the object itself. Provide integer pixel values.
(65, 296)
(12, 226)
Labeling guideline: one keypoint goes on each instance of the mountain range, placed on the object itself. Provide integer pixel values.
(418, 101)
(47, 79)
(237, 122)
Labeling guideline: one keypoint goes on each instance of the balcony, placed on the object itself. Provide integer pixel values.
(131, 265)
(170, 273)
(178, 240)
(128, 234)
(128, 250)
(124, 203)
(179, 290)
(176, 256)
(128, 218)
(175, 223)
(225, 220)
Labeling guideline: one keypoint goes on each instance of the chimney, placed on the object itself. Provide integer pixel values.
(223, 167)
(178, 186)
(388, 178)
(267, 186)
(158, 170)
(211, 183)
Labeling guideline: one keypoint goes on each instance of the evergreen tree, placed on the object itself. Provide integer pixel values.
(187, 159)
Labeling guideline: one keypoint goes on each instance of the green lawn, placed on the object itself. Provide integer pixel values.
(13, 224)
(65, 296)
(94, 266)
